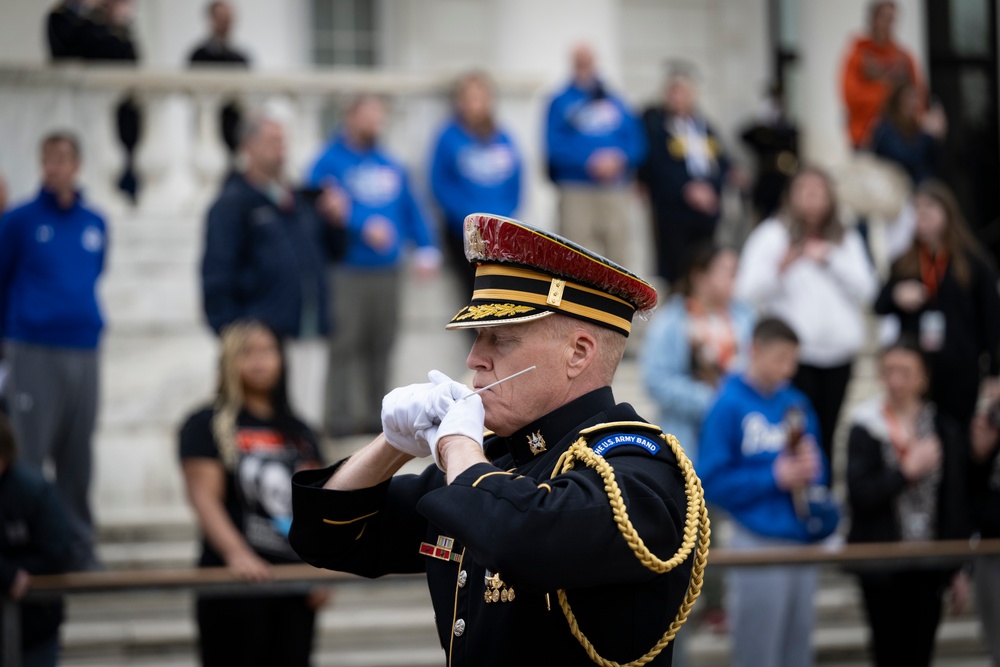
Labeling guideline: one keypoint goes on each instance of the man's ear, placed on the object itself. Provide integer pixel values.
(581, 352)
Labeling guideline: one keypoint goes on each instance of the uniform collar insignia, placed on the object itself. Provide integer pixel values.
(536, 443)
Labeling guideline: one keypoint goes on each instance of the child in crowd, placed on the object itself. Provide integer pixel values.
(760, 462)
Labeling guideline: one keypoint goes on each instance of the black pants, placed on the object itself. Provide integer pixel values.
(251, 631)
(675, 240)
(825, 388)
(903, 610)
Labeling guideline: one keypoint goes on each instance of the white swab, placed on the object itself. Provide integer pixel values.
(493, 384)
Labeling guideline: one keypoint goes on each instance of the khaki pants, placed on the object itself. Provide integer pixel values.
(597, 219)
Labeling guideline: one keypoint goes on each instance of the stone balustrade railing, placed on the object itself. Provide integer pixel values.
(181, 157)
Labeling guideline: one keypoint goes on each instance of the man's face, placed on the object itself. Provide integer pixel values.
(367, 120)
(680, 96)
(60, 165)
(222, 19)
(584, 63)
(774, 362)
(504, 350)
(266, 151)
(883, 21)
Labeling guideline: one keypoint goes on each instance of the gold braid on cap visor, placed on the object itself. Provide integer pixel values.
(507, 283)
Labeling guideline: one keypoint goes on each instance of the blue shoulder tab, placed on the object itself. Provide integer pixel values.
(605, 437)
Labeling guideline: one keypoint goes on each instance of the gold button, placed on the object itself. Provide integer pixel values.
(459, 627)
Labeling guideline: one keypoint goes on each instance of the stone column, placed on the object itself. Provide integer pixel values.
(210, 155)
(167, 183)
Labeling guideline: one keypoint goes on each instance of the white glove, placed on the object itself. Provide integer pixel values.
(401, 409)
(463, 414)
(409, 411)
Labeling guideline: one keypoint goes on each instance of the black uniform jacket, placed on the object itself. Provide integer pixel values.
(531, 534)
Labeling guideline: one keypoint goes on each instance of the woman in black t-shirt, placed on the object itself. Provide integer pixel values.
(238, 456)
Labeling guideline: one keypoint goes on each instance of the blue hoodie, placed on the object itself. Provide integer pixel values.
(583, 121)
(376, 185)
(741, 436)
(470, 174)
(50, 261)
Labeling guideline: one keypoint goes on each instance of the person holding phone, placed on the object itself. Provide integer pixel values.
(943, 292)
(907, 480)
(806, 266)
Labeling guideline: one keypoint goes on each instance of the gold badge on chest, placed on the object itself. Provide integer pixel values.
(536, 443)
(496, 589)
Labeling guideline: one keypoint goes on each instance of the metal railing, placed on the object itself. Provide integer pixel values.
(295, 577)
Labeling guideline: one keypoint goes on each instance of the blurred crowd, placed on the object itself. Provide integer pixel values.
(748, 357)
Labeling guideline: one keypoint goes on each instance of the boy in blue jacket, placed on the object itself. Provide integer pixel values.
(761, 463)
(594, 144)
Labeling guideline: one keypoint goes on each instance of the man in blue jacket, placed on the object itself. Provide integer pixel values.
(760, 462)
(383, 222)
(594, 143)
(267, 248)
(51, 256)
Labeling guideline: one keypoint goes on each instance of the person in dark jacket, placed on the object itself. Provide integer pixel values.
(101, 31)
(525, 560)
(217, 50)
(266, 255)
(907, 480)
(65, 25)
(34, 539)
(985, 435)
(52, 255)
(683, 173)
(774, 139)
(943, 292)
(910, 136)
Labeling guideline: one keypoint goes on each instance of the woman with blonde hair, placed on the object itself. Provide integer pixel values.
(806, 267)
(238, 455)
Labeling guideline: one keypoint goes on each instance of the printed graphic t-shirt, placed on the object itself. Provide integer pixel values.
(258, 495)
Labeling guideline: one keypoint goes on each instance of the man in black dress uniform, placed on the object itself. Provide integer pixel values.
(515, 530)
